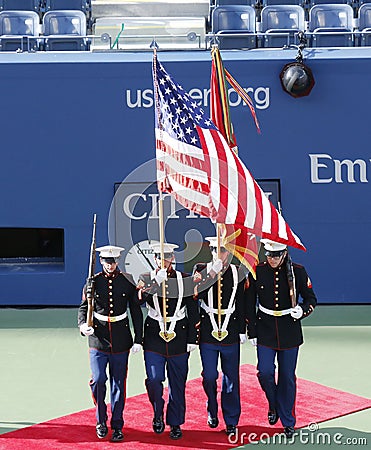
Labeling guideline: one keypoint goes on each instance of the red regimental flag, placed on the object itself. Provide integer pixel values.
(219, 102)
(242, 244)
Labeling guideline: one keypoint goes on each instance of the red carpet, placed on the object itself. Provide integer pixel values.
(315, 403)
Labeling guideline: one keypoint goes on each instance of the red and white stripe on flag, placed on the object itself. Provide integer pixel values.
(213, 182)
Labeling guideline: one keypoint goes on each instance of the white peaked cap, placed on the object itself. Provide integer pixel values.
(168, 248)
(213, 241)
(272, 246)
(109, 251)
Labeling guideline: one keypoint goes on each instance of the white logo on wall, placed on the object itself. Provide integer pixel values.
(139, 98)
(326, 169)
(152, 212)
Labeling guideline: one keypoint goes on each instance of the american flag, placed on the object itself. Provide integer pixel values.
(196, 166)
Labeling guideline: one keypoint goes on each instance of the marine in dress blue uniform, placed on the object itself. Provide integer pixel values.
(221, 340)
(275, 326)
(110, 338)
(167, 344)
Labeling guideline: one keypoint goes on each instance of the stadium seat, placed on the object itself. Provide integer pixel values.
(352, 3)
(234, 27)
(254, 3)
(20, 5)
(364, 24)
(331, 25)
(64, 30)
(280, 25)
(19, 30)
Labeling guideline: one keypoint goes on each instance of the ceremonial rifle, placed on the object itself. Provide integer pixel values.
(90, 279)
(291, 280)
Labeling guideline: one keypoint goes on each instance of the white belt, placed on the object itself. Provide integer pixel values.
(110, 318)
(153, 314)
(276, 313)
(215, 311)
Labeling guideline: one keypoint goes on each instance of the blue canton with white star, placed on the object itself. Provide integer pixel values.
(179, 113)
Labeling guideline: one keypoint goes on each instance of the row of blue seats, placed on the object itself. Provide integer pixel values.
(43, 6)
(59, 30)
(328, 25)
(233, 27)
(304, 3)
(258, 5)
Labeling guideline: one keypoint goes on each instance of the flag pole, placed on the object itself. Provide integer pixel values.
(162, 240)
(219, 282)
(160, 208)
(227, 131)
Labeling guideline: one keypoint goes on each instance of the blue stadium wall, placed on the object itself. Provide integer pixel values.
(73, 125)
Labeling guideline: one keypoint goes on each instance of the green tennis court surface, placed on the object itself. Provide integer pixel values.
(45, 367)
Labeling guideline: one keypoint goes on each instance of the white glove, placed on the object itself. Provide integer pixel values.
(161, 276)
(217, 266)
(136, 348)
(191, 347)
(254, 342)
(86, 330)
(243, 338)
(296, 312)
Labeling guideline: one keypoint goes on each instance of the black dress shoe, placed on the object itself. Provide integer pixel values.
(158, 425)
(102, 430)
(289, 432)
(213, 422)
(175, 432)
(231, 429)
(272, 417)
(117, 435)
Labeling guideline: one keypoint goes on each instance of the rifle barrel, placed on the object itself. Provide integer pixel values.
(90, 280)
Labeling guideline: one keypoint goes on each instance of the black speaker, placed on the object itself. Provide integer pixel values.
(297, 79)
